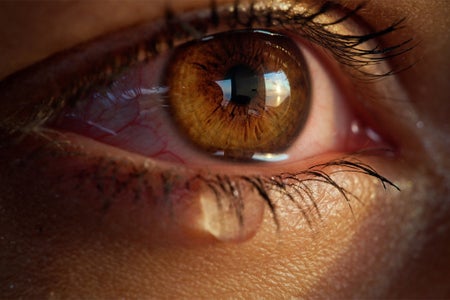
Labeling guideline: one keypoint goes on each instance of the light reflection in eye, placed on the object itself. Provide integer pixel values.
(276, 86)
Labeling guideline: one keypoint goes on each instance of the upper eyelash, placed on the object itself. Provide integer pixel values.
(344, 48)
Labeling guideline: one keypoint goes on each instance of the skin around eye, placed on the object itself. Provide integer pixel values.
(389, 244)
(211, 201)
(221, 201)
(130, 116)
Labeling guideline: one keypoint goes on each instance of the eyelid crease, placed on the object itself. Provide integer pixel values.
(119, 52)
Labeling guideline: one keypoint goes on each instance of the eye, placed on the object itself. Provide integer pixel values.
(241, 95)
(178, 112)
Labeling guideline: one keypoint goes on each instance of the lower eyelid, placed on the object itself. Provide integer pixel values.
(118, 184)
(162, 196)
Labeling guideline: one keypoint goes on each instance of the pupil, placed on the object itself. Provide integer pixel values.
(240, 86)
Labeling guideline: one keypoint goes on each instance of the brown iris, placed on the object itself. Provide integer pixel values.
(239, 93)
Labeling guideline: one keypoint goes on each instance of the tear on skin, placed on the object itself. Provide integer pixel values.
(231, 217)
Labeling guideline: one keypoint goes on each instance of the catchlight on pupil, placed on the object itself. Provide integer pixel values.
(240, 94)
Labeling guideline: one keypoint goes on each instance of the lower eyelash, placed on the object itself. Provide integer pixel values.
(295, 187)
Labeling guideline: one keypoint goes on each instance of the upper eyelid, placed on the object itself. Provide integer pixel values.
(95, 29)
(258, 18)
(112, 53)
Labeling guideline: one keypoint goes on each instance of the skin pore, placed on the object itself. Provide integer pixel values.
(391, 244)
